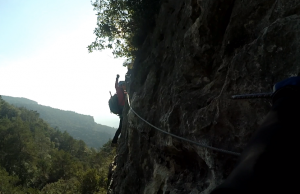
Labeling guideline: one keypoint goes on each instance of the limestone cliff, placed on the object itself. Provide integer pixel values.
(200, 53)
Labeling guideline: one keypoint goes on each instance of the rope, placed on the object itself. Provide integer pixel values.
(184, 139)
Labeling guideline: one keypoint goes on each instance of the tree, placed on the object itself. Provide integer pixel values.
(70, 186)
(8, 184)
(122, 25)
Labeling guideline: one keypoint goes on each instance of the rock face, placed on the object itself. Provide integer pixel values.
(200, 53)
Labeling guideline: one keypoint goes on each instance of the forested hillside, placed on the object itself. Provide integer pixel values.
(38, 159)
(77, 125)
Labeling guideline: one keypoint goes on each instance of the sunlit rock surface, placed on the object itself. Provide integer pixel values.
(200, 53)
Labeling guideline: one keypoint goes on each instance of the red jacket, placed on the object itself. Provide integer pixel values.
(120, 94)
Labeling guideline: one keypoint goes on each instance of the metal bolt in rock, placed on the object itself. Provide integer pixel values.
(249, 96)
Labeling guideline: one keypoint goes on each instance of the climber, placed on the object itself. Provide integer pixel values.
(121, 92)
(269, 161)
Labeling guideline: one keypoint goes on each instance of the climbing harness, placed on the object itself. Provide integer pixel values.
(178, 137)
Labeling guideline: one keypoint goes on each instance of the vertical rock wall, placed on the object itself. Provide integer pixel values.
(200, 53)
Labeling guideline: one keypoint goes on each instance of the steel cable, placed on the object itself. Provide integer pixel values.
(178, 137)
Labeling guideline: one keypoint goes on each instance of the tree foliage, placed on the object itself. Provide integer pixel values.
(122, 25)
(35, 158)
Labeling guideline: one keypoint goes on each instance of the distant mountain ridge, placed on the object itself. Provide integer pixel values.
(79, 126)
(15, 100)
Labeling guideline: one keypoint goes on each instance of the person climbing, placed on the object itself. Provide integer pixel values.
(269, 162)
(121, 92)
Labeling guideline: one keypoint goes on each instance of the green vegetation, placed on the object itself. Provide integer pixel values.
(77, 125)
(122, 25)
(37, 159)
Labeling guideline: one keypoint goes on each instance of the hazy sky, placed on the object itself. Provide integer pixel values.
(43, 57)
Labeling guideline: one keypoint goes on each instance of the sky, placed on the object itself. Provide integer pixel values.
(43, 57)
